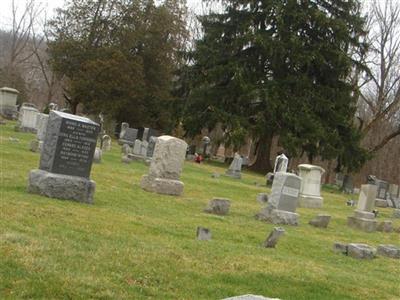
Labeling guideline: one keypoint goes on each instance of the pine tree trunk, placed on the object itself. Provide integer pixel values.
(262, 163)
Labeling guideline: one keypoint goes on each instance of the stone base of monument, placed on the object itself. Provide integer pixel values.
(233, 174)
(137, 157)
(278, 217)
(162, 186)
(308, 201)
(362, 220)
(381, 203)
(61, 186)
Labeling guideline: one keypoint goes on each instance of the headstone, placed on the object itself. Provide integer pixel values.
(215, 175)
(125, 149)
(151, 145)
(385, 226)
(339, 179)
(361, 251)
(106, 143)
(125, 159)
(137, 147)
(394, 191)
(281, 163)
(273, 237)
(27, 119)
(34, 146)
(166, 167)
(8, 102)
(320, 221)
(127, 135)
(143, 148)
(236, 167)
(41, 126)
(396, 213)
(218, 206)
(347, 186)
(203, 234)
(97, 155)
(66, 159)
(282, 203)
(310, 191)
(363, 217)
(391, 251)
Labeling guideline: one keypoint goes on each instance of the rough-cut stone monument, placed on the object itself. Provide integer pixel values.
(364, 218)
(310, 191)
(218, 206)
(282, 203)
(166, 167)
(235, 168)
(66, 159)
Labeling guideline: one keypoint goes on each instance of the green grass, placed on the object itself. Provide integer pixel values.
(136, 245)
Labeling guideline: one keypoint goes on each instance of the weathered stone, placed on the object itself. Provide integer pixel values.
(366, 225)
(203, 234)
(278, 217)
(162, 186)
(27, 119)
(137, 146)
(310, 191)
(41, 125)
(8, 102)
(143, 148)
(250, 297)
(364, 214)
(125, 159)
(340, 247)
(218, 206)
(385, 226)
(97, 155)
(281, 162)
(285, 192)
(127, 135)
(34, 146)
(396, 213)
(366, 199)
(381, 203)
(151, 146)
(215, 175)
(389, 251)
(273, 237)
(106, 143)
(321, 221)
(361, 251)
(262, 198)
(235, 167)
(125, 149)
(61, 186)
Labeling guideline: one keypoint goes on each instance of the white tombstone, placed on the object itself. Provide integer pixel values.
(143, 148)
(124, 127)
(41, 125)
(281, 163)
(366, 199)
(27, 118)
(137, 147)
(236, 167)
(310, 191)
(166, 167)
(106, 143)
(8, 101)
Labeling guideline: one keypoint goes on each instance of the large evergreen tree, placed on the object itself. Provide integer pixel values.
(279, 68)
(119, 56)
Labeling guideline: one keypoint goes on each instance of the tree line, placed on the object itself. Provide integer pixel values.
(322, 76)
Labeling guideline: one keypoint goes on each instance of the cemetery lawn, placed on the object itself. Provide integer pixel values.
(131, 244)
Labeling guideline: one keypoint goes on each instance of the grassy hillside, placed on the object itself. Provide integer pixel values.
(136, 245)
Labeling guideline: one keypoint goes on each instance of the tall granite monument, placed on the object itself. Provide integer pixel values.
(166, 167)
(66, 159)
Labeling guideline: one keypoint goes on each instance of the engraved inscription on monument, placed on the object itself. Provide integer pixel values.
(75, 147)
(70, 144)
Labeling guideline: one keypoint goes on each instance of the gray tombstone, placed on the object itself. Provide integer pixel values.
(235, 167)
(127, 135)
(106, 142)
(66, 159)
(273, 237)
(143, 148)
(282, 203)
(151, 145)
(137, 147)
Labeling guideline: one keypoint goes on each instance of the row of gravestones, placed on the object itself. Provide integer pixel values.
(68, 148)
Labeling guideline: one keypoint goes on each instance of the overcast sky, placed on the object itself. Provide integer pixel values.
(50, 5)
